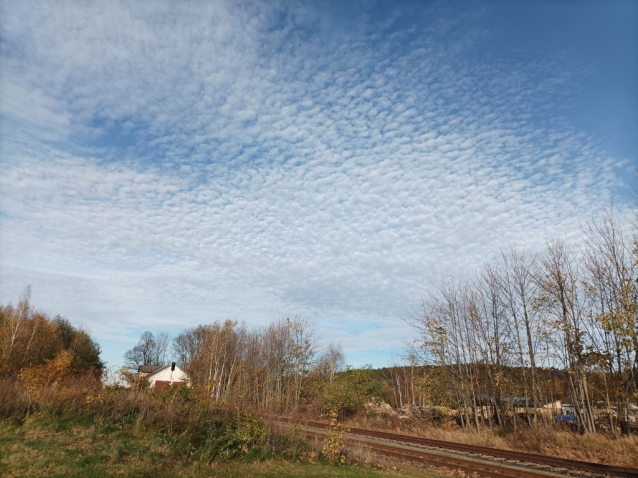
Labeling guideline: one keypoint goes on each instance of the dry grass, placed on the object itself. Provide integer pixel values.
(556, 441)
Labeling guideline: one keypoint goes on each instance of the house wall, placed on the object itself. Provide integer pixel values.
(168, 376)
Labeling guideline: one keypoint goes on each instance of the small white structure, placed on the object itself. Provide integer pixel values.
(169, 375)
(567, 410)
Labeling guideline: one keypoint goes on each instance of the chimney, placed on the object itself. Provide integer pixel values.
(173, 367)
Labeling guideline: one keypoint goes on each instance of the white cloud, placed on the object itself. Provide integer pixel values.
(179, 163)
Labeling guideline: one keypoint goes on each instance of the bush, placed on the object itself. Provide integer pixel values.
(351, 390)
(230, 436)
(286, 441)
(14, 401)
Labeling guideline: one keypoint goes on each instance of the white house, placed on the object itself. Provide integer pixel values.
(166, 376)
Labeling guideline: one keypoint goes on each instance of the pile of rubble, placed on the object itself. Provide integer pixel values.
(380, 408)
(413, 411)
(408, 411)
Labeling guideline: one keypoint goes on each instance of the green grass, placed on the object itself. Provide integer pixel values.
(71, 446)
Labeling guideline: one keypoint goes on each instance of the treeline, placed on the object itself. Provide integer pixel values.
(523, 319)
(29, 338)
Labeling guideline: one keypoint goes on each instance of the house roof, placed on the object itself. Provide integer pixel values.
(158, 370)
(149, 368)
(165, 372)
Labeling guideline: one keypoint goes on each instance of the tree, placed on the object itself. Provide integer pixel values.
(303, 344)
(611, 287)
(150, 350)
(29, 338)
(560, 296)
(85, 352)
(518, 272)
(330, 362)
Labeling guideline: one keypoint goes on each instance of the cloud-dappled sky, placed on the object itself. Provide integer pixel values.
(166, 164)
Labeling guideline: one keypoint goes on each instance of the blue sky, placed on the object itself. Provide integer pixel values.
(168, 164)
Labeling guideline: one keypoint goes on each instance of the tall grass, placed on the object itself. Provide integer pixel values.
(197, 427)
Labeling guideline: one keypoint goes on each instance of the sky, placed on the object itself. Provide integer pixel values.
(169, 164)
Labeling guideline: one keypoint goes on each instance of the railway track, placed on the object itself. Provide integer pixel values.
(439, 459)
(473, 458)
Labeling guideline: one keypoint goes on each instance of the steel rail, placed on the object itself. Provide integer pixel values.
(547, 460)
(482, 469)
(440, 459)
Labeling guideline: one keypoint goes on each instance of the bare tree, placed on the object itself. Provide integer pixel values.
(16, 322)
(560, 296)
(612, 288)
(268, 367)
(150, 350)
(331, 361)
(519, 270)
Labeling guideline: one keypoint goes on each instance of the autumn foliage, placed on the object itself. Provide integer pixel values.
(29, 338)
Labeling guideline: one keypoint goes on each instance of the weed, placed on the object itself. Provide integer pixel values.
(335, 440)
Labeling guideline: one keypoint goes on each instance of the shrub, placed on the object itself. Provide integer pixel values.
(335, 440)
(351, 390)
(229, 436)
(14, 401)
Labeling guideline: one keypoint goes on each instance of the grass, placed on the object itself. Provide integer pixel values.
(67, 445)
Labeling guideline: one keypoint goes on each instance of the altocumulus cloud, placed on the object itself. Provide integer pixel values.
(168, 164)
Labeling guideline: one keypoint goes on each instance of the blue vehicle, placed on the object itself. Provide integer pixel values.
(566, 418)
